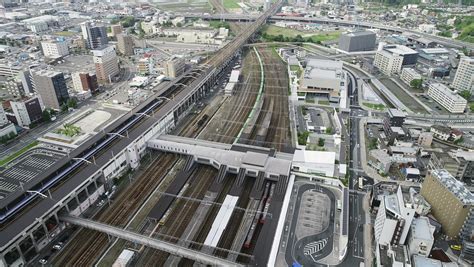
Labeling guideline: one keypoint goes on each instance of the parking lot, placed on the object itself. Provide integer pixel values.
(25, 169)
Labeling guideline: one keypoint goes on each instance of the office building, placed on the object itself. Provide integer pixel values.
(9, 70)
(125, 44)
(464, 77)
(389, 59)
(95, 36)
(106, 64)
(174, 67)
(450, 200)
(409, 74)
(83, 81)
(27, 111)
(55, 48)
(357, 41)
(116, 29)
(447, 98)
(26, 81)
(393, 220)
(51, 87)
(323, 78)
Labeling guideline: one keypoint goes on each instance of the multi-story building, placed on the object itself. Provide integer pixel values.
(9, 70)
(393, 220)
(125, 44)
(392, 125)
(421, 237)
(357, 41)
(106, 64)
(450, 200)
(26, 81)
(425, 139)
(409, 74)
(389, 59)
(458, 163)
(51, 87)
(27, 111)
(55, 48)
(95, 36)
(464, 77)
(14, 87)
(447, 98)
(145, 66)
(83, 81)
(323, 78)
(7, 129)
(174, 67)
(116, 29)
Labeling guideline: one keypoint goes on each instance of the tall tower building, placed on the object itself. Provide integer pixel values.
(95, 36)
(464, 78)
(451, 202)
(125, 44)
(51, 86)
(106, 64)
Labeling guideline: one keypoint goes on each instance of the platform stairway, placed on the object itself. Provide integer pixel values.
(282, 184)
(189, 163)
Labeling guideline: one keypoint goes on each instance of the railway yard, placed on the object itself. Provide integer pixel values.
(193, 197)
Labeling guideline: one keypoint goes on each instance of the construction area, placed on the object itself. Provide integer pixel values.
(177, 200)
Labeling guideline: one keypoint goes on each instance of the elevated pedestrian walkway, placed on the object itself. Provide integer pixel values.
(235, 157)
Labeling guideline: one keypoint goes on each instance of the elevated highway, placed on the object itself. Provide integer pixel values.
(246, 18)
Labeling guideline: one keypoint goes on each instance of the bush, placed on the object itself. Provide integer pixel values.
(303, 138)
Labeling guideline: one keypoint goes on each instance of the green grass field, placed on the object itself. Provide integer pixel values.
(18, 153)
(231, 4)
(374, 106)
(273, 30)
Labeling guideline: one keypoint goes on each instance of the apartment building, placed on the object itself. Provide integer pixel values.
(464, 77)
(83, 81)
(174, 67)
(389, 59)
(409, 74)
(447, 98)
(55, 48)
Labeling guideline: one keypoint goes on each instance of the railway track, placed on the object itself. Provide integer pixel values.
(120, 211)
(182, 213)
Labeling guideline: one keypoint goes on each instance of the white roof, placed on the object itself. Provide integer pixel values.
(421, 229)
(234, 76)
(221, 221)
(322, 157)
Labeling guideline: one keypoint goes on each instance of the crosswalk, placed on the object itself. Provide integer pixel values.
(314, 247)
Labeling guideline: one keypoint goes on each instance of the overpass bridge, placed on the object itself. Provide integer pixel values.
(78, 183)
(145, 240)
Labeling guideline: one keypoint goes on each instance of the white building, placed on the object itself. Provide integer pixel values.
(320, 162)
(6, 127)
(421, 237)
(388, 63)
(427, 28)
(447, 98)
(464, 78)
(389, 59)
(55, 48)
(27, 111)
(323, 77)
(106, 64)
(393, 220)
(409, 74)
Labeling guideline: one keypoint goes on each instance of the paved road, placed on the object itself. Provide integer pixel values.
(317, 246)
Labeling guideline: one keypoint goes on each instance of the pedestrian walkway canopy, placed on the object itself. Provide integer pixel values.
(235, 157)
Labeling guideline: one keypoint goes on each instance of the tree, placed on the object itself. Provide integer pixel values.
(321, 142)
(179, 25)
(46, 115)
(72, 103)
(329, 130)
(466, 94)
(417, 84)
